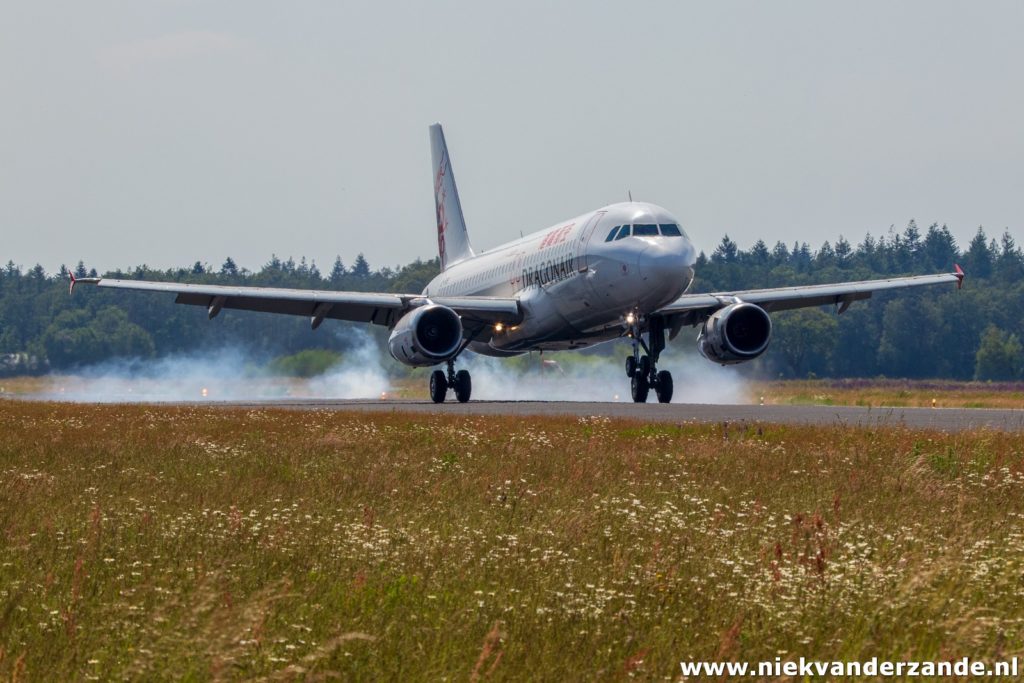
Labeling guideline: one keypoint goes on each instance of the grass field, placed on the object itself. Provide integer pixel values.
(894, 393)
(195, 543)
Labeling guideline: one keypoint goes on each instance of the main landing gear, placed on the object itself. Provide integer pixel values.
(440, 382)
(642, 369)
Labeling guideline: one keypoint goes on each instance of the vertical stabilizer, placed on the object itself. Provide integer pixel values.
(452, 238)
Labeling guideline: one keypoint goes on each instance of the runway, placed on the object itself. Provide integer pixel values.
(943, 419)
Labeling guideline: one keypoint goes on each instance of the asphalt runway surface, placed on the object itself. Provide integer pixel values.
(944, 419)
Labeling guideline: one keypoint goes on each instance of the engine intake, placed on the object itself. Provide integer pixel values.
(734, 334)
(426, 336)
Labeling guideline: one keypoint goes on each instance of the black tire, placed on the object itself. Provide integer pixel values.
(639, 387)
(630, 366)
(438, 386)
(664, 387)
(463, 385)
(645, 367)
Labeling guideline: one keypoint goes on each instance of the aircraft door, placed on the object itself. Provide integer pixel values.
(583, 241)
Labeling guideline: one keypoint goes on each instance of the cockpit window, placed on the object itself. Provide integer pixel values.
(670, 230)
(645, 230)
(623, 233)
(611, 235)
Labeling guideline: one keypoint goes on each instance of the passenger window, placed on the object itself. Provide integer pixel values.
(611, 235)
(624, 232)
(645, 230)
(670, 230)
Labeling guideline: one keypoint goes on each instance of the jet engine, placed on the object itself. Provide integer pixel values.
(426, 336)
(734, 334)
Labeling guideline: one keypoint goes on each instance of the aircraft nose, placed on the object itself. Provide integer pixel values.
(662, 264)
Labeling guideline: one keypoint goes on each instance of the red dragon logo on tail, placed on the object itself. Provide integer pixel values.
(442, 220)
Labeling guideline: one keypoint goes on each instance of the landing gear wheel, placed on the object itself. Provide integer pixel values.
(630, 366)
(645, 366)
(438, 386)
(463, 385)
(639, 387)
(664, 387)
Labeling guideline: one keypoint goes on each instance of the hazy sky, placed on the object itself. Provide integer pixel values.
(167, 131)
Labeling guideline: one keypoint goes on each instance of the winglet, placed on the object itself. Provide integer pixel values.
(83, 280)
(959, 275)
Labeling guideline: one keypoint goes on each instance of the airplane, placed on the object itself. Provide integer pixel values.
(621, 271)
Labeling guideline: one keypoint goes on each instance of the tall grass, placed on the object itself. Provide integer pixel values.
(191, 543)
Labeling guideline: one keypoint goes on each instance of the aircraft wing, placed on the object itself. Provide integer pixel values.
(692, 309)
(367, 307)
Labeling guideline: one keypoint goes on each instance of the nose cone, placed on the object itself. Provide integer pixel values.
(667, 263)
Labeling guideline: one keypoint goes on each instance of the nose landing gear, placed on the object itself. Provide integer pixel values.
(642, 370)
(459, 381)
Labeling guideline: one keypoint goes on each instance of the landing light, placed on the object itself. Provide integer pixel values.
(630, 318)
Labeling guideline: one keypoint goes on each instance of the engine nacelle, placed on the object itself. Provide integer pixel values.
(426, 336)
(734, 334)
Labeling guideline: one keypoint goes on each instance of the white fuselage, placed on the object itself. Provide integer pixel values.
(575, 286)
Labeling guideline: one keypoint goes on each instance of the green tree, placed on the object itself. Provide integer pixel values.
(119, 336)
(999, 356)
(868, 253)
(413, 278)
(69, 340)
(726, 251)
(338, 272)
(361, 267)
(843, 252)
(978, 258)
(962, 318)
(939, 249)
(856, 349)
(77, 338)
(907, 347)
(801, 257)
(759, 254)
(1009, 264)
(780, 254)
(805, 339)
(826, 256)
(911, 247)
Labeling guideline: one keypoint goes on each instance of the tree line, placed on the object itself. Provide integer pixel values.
(932, 332)
(42, 328)
(936, 332)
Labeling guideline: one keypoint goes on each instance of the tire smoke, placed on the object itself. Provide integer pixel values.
(221, 375)
(562, 376)
(233, 374)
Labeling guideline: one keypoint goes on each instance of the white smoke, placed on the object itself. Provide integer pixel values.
(231, 374)
(570, 376)
(221, 375)
(360, 375)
